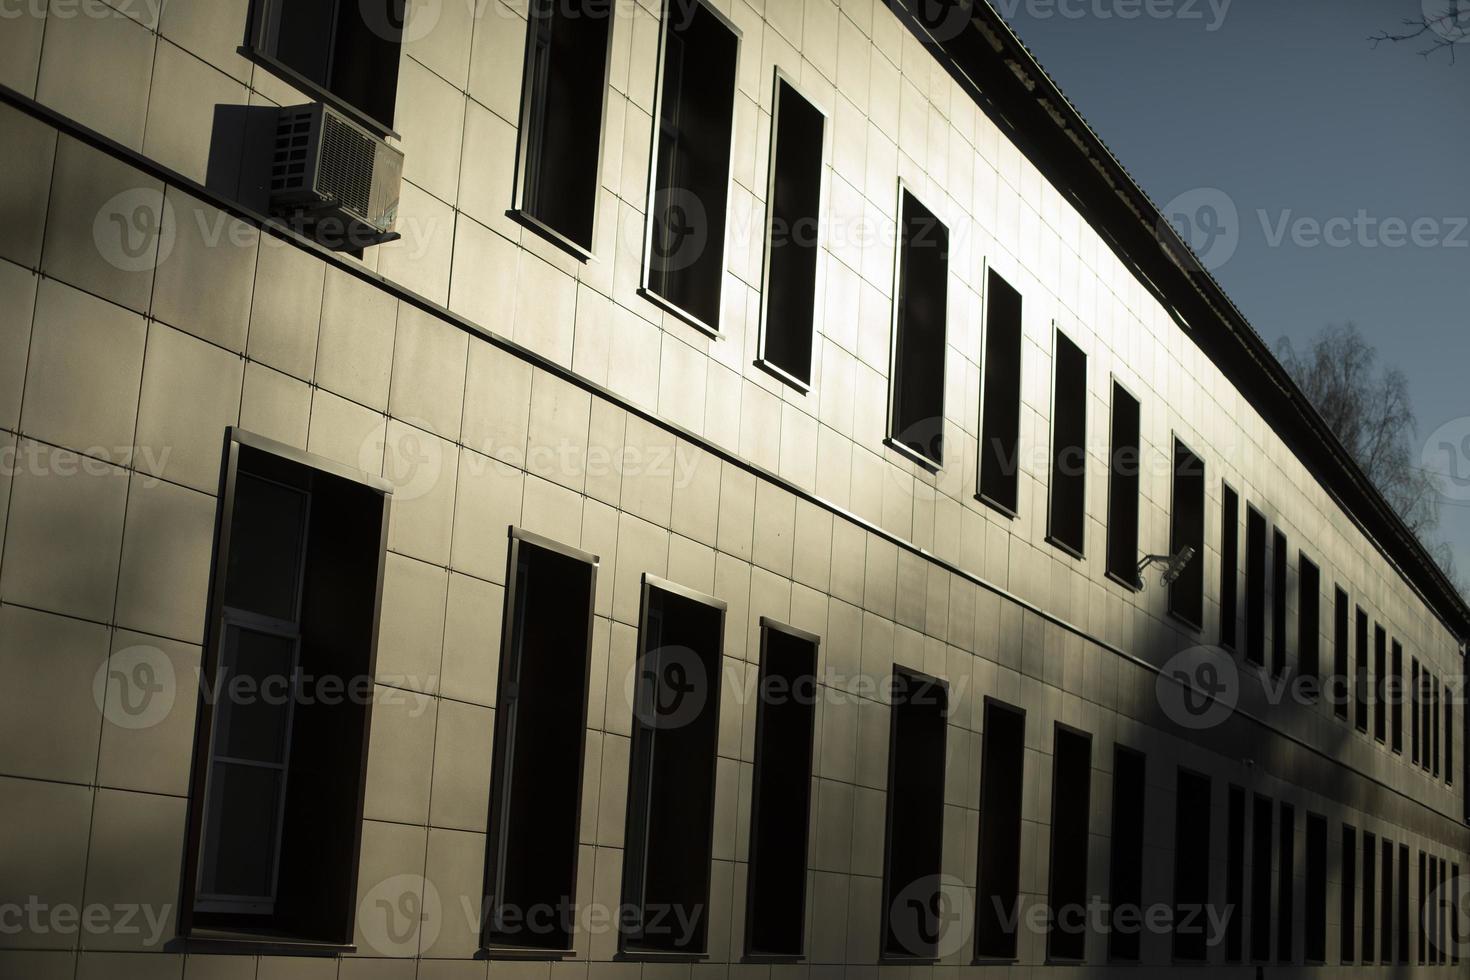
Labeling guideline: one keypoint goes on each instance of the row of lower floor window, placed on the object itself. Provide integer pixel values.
(276, 779)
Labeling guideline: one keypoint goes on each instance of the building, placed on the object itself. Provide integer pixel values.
(552, 592)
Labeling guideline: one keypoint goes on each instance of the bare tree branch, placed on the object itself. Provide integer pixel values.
(1444, 30)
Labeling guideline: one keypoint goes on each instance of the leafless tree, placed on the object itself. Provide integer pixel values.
(1442, 26)
(1370, 410)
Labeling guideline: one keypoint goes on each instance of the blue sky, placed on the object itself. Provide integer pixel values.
(1348, 168)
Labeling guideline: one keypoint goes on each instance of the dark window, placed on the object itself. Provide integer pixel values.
(1457, 925)
(1234, 875)
(781, 800)
(1416, 731)
(1309, 619)
(1396, 726)
(1126, 875)
(1363, 687)
(1286, 886)
(1187, 530)
(1347, 908)
(1370, 892)
(671, 775)
(561, 117)
(1002, 769)
(1380, 683)
(1385, 905)
(1449, 736)
(794, 196)
(1316, 897)
(1070, 816)
(914, 852)
(1404, 924)
(1229, 564)
(1067, 515)
(1000, 415)
(1262, 844)
(1255, 587)
(691, 177)
(346, 51)
(1342, 682)
(540, 728)
(1442, 900)
(917, 424)
(1191, 865)
(1434, 699)
(1426, 720)
(1423, 907)
(275, 802)
(1123, 484)
(1278, 603)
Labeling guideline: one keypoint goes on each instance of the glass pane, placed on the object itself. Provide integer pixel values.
(240, 840)
(253, 692)
(265, 547)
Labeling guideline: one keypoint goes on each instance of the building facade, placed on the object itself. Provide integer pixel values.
(721, 534)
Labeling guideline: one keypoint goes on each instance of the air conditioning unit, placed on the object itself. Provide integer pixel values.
(339, 181)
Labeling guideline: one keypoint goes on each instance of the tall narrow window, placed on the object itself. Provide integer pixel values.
(913, 854)
(1442, 900)
(1347, 909)
(794, 208)
(1315, 950)
(1380, 679)
(1123, 488)
(1235, 875)
(1262, 841)
(1229, 564)
(1002, 767)
(1396, 724)
(1404, 923)
(1125, 880)
(1385, 905)
(540, 731)
(780, 808)
(1449, 736)
(1309, 619)
(685, 265)
(1278, 603)
(1191, 865)
(1363, 686)
(1426, 720)
(1000, 414)
(1187, 530)
(1415, 730)
(1067, 513)
(1342, 681)
(1255, 587)
(916, 423)
(1286, 886)
(1071, 811)
(1423, 920)
(1457, 924)
(1370, 893)
(562, 100)
(276, 796)
(1434, 702)
(346, 52)
(671, 775)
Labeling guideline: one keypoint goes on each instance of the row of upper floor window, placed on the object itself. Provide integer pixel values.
(564, 90)
(276, 796)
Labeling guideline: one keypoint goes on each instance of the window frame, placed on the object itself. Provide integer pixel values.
(989, 272)
(896, 316)
(519, 536)
(1135, 581)
(1229, 571)
(1309, 620)
(236, 438)
(645, 275)
(1177, 443)
(517, 211)
(1059, 730)
(1079, 549)
(820, 272)
(256, 48)
(1019, 715)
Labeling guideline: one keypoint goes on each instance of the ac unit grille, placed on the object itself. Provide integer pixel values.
(346, 171)
(329, 171)
(292, 151)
